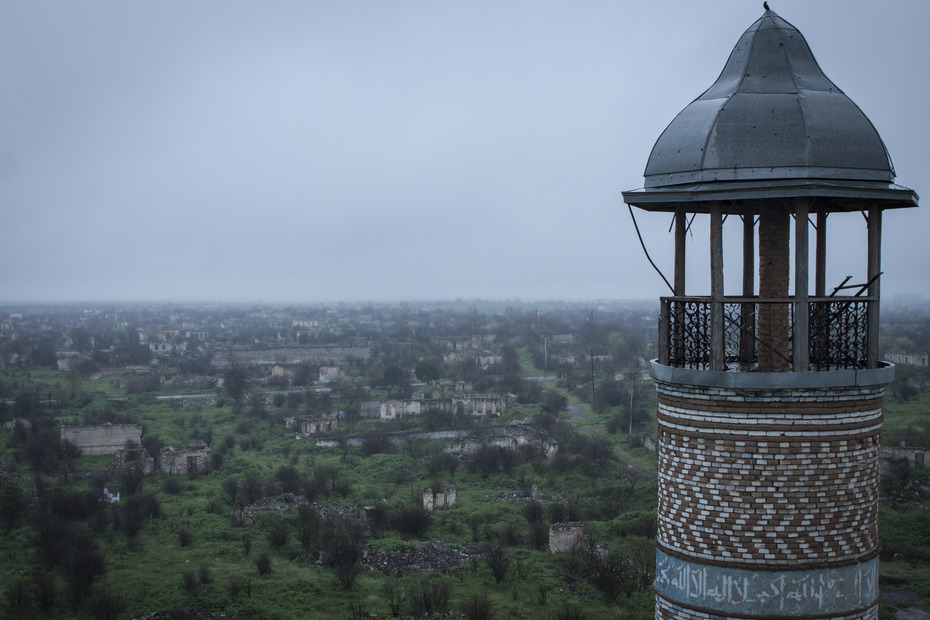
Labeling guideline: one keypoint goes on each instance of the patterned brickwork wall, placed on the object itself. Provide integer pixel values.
(776, 479)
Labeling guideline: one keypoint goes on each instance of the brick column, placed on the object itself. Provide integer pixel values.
(774, 258)
(768, 501)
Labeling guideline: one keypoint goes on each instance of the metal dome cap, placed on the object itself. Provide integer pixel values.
(772, 114)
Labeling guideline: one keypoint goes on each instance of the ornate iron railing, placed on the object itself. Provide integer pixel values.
(760, 334)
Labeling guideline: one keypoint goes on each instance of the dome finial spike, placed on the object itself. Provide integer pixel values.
(765, 5)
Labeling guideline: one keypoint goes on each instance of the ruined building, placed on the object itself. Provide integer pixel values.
(567, 537)
(433, 499)
(310, 426)
(196, 458)
(770, 401)
(102, 438)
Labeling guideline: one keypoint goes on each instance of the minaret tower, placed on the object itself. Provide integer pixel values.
(770, 402)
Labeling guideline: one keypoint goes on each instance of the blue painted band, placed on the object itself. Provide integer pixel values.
(810, 592)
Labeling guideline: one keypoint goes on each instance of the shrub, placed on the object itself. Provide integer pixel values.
(263, 564)
(132, 517)
(615, 423)
(411, 521)
(539, 535)
(45, 591)
(13, 504)
(474, 524)
(238, 585)
(375, 443)
(252, 487)
(151, 506)
(533, 510)
(441, 461)
(105, 606)
(343, 549)
(231, 488)
(131, 480)
(498, 562)
(395, 596)
(206, 575)
(308, 528)
(278, 535)
(428, 596)
(189, 581)
(171, 486)
(83, 566)
(510, 534)
(569, 611)
(477, 607)
(17, 598)
(608, 574)
(185, 538)
(53, 537)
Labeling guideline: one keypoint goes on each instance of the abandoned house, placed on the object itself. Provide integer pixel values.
(102, 438)
(565, 537)
(194, 459)
(433, 500)
(310, 426)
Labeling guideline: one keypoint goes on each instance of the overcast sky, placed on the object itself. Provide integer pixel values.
(307, 151)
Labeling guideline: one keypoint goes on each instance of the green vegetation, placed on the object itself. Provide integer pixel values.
(286, 528)
(192, 551)
(904, 518)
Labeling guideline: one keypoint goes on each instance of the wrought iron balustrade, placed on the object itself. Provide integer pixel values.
(759, 334)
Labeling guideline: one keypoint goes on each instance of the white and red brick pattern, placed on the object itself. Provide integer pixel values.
(768, 479)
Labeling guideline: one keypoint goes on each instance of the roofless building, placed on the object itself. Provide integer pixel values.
(770, 401)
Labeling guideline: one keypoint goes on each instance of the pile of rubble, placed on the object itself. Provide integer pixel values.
(420, 557)
(910, 494)
(290, 501)
(186, 614)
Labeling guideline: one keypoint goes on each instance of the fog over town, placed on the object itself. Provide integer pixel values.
(309, 151)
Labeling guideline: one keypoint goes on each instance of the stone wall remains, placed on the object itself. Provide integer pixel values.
(332, 356)
(510, 437)
(897, 461)
(390, 409)
(564, 537)
(479, 404)
(102, 438)
(311, 426)
(195, 459)
(438, 500)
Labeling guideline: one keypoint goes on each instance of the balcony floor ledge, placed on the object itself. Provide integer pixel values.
(772, 380)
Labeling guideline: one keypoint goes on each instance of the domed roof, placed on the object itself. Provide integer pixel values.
(771, 115)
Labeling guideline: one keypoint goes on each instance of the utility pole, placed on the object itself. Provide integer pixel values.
(631, 404)
(592, 379)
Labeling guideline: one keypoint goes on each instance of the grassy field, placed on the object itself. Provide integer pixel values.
(192, 552)
(907, 421)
